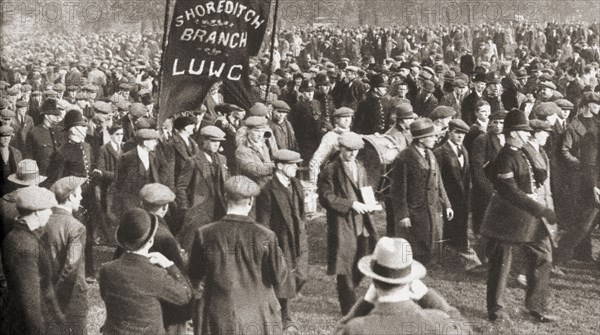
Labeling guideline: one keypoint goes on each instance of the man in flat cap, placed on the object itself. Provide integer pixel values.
(201, 186)
(232, 298)
(441, 116)
(155, 199)
(136, 168)
(137, 285)
(282, 129)
(455, 98)
(350, 230)
(32, 306)
(280, 207)
(425, 102)
(9, 158)
(350, 90)
(136, 111)
(22, 124)
(580, 148)
(252, 156)
(515, 218)
(423, 223)
(453, 160)
(480, 125)
(46, 138)
(66, 240)
(493, 91)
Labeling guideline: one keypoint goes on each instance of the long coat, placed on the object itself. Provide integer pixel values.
(33, 307)
(107, 162)
(65, 237)
(41, 143)
(182, 153)
(370, 116)
(336, 194)
(133, 290)
(306, 117)
(131, 177)
(420, 195)
(241, 265)
(282, 211)
(457, 182)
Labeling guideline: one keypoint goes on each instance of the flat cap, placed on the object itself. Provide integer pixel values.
(258, 109)
(428, 86)
(64, 187)
(34, 198)
(137, 109)
(351, 68)
(590, 97)
(259, 122)
(213, 133)
(287, 156)
(147, 134)
(6, 130)
(21, 103)
(125, 86)
(547, 84)
(280, 106)
(13, 91)
(404, 111)
(7, 113)
(182, 122)
(539, 125)
(145, 123)
(36, 93)
(498, 115)
(564, 104)
(157, 194)
(59, 87)
(546, 109)
(123, 105)
(351, 140)
(102, 107)
(51, 93)
(81, 96)
(459, 125)
(241, 186)
(459, 82)
(343, 111)
(441, 112)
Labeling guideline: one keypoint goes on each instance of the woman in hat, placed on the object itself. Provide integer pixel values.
(135, 285)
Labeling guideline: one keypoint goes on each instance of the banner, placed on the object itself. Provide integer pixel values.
(207, 42)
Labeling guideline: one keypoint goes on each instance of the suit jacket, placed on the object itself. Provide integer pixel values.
(65, 237)
(237, 290)
(424, 106)
(182, 153)
(32, 305)
(450, 100)
(133, 290)
(281, 209)
(420, 195)
(41, 143)
(485, 148)
(405, 317)
(131, 177)
(21, 131)
(337, 192)
(14, 157)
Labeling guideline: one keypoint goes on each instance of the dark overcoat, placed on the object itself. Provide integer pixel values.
(241, 265)
(41, 143)
(282, 211)
(485, 148)
(336, 194)
(133, 290)
(420, 195)
(131, 177)
(107, 162)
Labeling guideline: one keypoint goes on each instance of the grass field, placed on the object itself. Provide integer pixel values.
(574, 298)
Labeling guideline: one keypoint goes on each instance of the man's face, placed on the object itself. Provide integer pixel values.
(483, 114)
(288, 169)
(564, 114)
(541, 137)
(239, 115)
(278, 116)
(117, 136)
(308, 95)
(480, 86)
(496, 126)
(76, 198)
(21, 110)
(348, 155)
(189, 129)
(150, 144)
(457, 137)
(212, 146)
(256, 134)
(460, 91)
(5, 141)
(350, 75)
(344, 121)
(324, 88)
(402, 91)
(546, 93)
(429, 141)
(493, 90)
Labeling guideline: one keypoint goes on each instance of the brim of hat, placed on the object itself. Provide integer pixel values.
(13, 179)
(407, 116)
(518, 128)
(138, 244)
(433, 133)
(417, 271)
(219, 139)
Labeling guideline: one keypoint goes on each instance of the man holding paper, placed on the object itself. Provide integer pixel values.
(350, 230)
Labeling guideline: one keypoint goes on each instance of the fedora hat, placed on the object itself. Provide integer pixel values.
(392, 262)
(27, 173)
(423, 127)
(136, 228)
(516, 120)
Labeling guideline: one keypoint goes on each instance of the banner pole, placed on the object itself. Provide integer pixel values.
(162, 58)
(273, 37)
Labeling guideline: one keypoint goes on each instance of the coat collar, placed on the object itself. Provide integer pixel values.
(237, 218)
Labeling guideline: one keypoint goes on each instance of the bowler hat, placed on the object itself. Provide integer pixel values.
(27, 173)
(182, 122)
(423, 127)
(136, 228)
(51, 107)
(392, 262)
(516, 120)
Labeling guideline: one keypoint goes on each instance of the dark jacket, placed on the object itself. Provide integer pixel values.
(468, 107)
(131, 177)
(107, 162)
(336, 194)
(72, 159)
(33, 307)
(306, 117)
(65, 237)
(369, 118)
(41, 143)
(133, 290)
(281, 209)
(21, 131)
(8, 168)
(237, 290)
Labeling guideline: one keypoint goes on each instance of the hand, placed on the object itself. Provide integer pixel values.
(405, 223)
(597, 195)
(449, 214)
(159, 259)
(97, 172)
(418, 289)
(360, 208)
(371, 295)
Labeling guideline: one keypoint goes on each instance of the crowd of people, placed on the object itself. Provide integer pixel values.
(495, 134)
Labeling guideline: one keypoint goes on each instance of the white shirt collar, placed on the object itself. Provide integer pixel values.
(396, 295)
(285, 181)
